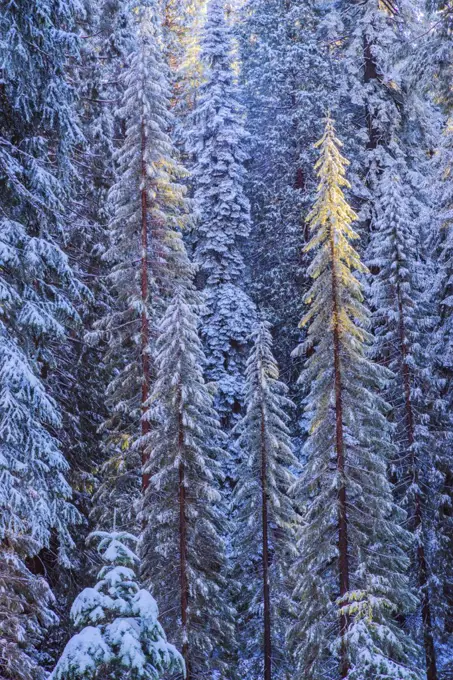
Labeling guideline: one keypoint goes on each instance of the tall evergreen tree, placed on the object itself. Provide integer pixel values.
(183, 551)
(82, 377)
(38, 133)
(120, 633)
(264, 517)
(443, 253)
(351, 582)
(370, 60)
(442, 300)
(217, 142)
(145, 255)
(286, 79)
(396, 127)
(401, 318)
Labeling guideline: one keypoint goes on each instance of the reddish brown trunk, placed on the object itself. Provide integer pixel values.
(428, 639)
(339, 445)
(370, 74)
(266, 585)
(183, 579)
(299, 182)
(145, 426)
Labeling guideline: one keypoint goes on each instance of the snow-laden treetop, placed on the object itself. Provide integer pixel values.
(120, 634)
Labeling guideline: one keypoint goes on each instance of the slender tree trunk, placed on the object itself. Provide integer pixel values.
(370, 74)
(183, 579)
(145, 425)
(428, 638)
(339, 445)
(266, 585)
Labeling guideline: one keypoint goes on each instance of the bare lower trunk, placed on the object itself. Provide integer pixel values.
(183, 579)
(265, 560)
(370, 74)
(417, 526)
(339, 445)
(145, 426)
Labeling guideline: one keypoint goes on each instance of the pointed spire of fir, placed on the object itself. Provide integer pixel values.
(120, 633)
(183, 549)
(264, 516)
(146, 256)
(350, 574)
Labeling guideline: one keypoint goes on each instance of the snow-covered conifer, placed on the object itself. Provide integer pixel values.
(351, 584)
(434, 53)
(182, 25)
(287, 81)
(183, 548)
(387, 115)
(443, 255)
(120, 635)
(38, 131)
(265, 520)
(217, 144)
(370, 64)
(36, 282)
(145, 254)
(386, 88)
(401, 318)
(442, 366)
(26, 604)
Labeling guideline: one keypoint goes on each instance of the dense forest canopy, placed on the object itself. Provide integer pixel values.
(226, 355)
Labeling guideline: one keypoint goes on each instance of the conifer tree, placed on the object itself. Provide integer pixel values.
(287, 80)
(371, 55)
(401, 318)
(145, 255)
(183, 550)
(434, 55)
(223, 219)
(442, 366)
(26, 610)
(351, 582)
(443, 254)
(386, 84)
(38, 132)
(108, 40)
(264, 517)
(383, 97)
(81, 376)
(120, 635)
(182, 25)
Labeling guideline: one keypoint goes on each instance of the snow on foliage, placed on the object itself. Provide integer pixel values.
(350, 572)
(145, 255)
(266, 473)
(217, 144)
(183, 544)
(121, 634)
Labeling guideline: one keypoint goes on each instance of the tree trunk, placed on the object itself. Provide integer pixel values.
(266, 585)
(370, 74)
(145, 425)
(339, 445)
(183, 579)
(417, 525)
